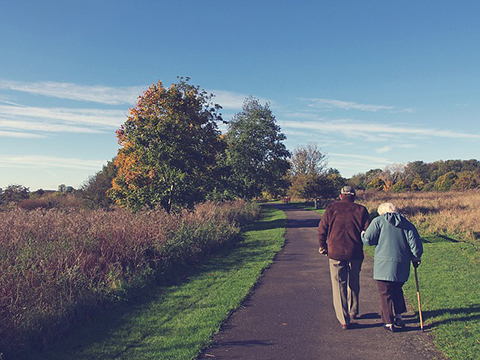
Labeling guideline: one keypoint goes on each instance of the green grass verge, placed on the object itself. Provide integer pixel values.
(449, 282)
(177, 321)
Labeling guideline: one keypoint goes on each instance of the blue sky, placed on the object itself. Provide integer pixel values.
(372, 83)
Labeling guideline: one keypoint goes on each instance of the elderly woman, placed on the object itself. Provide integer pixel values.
(397, 243)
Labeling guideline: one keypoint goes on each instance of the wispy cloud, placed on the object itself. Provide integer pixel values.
(43, 127)
(389, 148)
(19, 135)
(98, 117)
(37, 119)
(39, 161)
(350, 105)
(384, 149)
(98, 93)
(353, 128)
(107, 94)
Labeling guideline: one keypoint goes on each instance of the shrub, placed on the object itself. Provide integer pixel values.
(32, 204)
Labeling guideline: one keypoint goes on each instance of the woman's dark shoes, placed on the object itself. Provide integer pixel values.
(400, 323)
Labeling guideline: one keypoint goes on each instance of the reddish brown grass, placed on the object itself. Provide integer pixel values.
(54, 263)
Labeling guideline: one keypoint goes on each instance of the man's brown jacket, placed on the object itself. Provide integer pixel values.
(340, 229)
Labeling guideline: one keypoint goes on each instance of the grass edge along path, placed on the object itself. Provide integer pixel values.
(178, 321)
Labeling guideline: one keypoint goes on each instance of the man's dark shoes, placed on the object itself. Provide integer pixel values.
(348, 326)
(389, 327)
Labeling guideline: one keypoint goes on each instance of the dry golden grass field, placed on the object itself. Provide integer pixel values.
(451, 214)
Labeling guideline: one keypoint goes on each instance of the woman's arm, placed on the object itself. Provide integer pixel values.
(371, 235)
(415, 243)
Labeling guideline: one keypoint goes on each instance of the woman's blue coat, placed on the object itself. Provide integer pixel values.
(397, 243)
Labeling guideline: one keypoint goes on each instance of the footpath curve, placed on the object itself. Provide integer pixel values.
(290, 315)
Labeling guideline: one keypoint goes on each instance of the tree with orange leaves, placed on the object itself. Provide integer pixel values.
(170, 145)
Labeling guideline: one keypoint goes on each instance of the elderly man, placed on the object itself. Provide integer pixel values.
(339, 235)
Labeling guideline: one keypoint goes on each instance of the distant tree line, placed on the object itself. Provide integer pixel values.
(420, 176)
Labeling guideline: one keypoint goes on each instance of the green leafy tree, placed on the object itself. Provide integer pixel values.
(94, 190)
(445, 182)
(256, 154)
(324, 186)
(471, 165)
(466, 180)
(337, 181)
(170, 145)
(414, 172)
(399, 186)
(360, 181)
(300, 187)
(376, 184)
(14, 193)
(417, 184)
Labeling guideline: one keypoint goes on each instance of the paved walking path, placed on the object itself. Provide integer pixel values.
(290, 313)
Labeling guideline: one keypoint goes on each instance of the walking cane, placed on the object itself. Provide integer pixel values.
(418, 298)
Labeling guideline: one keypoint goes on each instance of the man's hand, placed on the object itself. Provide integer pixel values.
(323, 251)
(416, 262)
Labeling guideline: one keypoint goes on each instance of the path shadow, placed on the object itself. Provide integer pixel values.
(246, 343)
(356, 325)
(369, 316)
(268, 225)
(408, 319)
(303, 223)
(447, 238)
(428, 239)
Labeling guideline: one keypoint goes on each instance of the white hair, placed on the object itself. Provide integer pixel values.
(387, 208)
